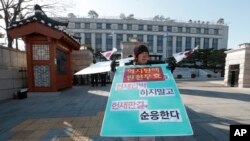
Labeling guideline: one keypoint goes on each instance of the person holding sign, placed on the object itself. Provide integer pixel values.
(144, 102)
(141, 57)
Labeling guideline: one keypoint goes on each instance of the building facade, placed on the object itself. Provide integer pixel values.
(237, 68)
(163, 37)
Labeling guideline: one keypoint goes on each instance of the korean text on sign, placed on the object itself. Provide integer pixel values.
(143, 74)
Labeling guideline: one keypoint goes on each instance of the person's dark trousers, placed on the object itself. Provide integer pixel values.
(96, 79)
(92, 80)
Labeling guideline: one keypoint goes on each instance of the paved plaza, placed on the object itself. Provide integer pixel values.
(76, 114)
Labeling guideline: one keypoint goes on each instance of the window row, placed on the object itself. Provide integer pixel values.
(142, 27)
(150, 41)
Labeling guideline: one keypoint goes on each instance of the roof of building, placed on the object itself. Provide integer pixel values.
(42, 18)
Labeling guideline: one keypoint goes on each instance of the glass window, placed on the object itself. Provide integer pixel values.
(169, 28)
(216, 31)
(108, 26)
(188, 43)
(150, 42)
(87, 25)
(179, 29)
(206, 31)
(120, 26)
(169, 45)
(140, 27)
(188, 29)
(129, 36)
(149, 27)
(215, 44)
(119, 38)
(140, 38)
(98, 42)
(160, 28)
(99, 26)
(160, 43)
(61, 61)
(179, 44)
(198, 30)
(88, 39)
(197, 42)
(206, 43)
(129, 26)
(77, 25)
(109, 42)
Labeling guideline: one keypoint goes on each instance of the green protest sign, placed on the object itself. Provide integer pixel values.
(145, 101)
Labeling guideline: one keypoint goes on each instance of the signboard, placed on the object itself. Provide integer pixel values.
(145, 101)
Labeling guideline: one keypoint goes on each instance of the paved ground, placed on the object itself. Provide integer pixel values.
(76, 114)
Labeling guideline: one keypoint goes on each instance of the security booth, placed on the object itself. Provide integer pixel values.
(48, 50)
(237, 68)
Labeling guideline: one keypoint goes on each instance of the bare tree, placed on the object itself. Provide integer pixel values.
(92, 14)
(13, 10)
(131, 17)
(122, 16)
(71, 15)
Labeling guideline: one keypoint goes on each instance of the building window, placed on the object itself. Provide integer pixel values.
(160, 43)
(119, 38)
(77, 34)
(149, 27)
(99, 26)
(169, 28)
(88, 39)
(178, 44)
(150, 43)
(169, 45)
(188, 29)
(216, 31)
(87, 25)
(109, 42)
(77, 25)
(108, 26)
(188, 43)
(206, 31)
(198, 30)
(140, 38)
(215, 44)
(129, 37)
(98, 42)
(179, 29)
(120, 26)
(197, 42)
(160, 28)
(206, 43)
(42, 75)
(140, 27)
(129, 26)
(61, 62)
(40, 52)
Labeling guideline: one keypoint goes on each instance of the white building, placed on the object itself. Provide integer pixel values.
(163, 37)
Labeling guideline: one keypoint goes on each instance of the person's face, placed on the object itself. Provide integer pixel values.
(143, 58)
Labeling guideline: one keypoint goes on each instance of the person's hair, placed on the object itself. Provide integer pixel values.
(139, 49)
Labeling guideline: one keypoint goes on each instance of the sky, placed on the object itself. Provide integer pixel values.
(235, 12)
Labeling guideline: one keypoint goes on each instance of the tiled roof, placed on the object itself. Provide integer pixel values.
(41, 17)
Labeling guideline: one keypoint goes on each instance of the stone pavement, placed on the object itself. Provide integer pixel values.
(76, 114)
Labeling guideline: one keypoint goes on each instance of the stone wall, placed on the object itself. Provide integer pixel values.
(12, 72)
